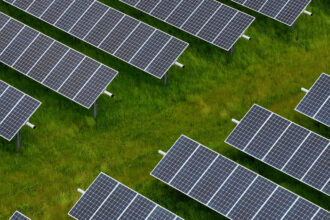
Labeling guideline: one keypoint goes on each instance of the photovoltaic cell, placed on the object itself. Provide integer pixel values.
(118, 35)
(207, 19)
(249, 125)
(283, 145)
(253, 199)
(115, 204)
(178, 154)
(286, 146)
(89, 19)
(93, 197)
(318, 175)
(16, 108)
(324, 114)
(52, 64)
(140, 208)
(18, 216)
(32, 54)
(322, 214)
(160, 213)
(212, 179)
(277, 205)
(231, 190)
(48, 61)
(74, 12)
(55, 10)
(106, 198)
(113, 32)
(147, 5)
(16, 48)
(38, 7)
(302, 209)
(304, 157)
(316, 103)
(203, 13)
(267, 136)
(227, 187)
(133, 43)
(285, 11)
(190, 173)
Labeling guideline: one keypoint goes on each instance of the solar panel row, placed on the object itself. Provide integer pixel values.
(128, 39)
(209, 20)
(316, 103)
(285, 146)
(18, 216)
(285, 11)
(106, 198)
(15, 110)
(54, 65)
(229, 188)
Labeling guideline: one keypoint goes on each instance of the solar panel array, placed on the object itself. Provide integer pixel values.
(285, 146)
(128, 39)
(54, 65)
(15, 110)
(18, 216)
(227, 187)
(106, 198)
(209, 20)
(316, 103)
(285, 11)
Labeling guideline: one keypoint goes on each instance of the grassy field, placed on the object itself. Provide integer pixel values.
(69, 148)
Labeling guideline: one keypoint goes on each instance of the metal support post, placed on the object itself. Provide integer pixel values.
(232, 51)
(18, 141)
(165, 78)
(95, 110)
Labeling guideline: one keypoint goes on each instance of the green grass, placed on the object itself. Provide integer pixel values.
(69, 148)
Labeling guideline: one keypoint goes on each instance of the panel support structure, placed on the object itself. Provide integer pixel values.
(165, 78)
(95, 110)
(18, 141)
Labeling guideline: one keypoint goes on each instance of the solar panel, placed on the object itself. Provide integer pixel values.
(18, 216)
(285, 11)
(316, 103)
(208, 20)
(16, 108)
(120, 35)
(227, 187)
(285, 146)
(106, 198)
(54, 65)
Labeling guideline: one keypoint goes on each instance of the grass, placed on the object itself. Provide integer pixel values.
(69, 148)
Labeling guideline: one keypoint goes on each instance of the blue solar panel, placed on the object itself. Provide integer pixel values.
(106, 198)
(316, 103)
(52, 64)
(16, 108)
(283, 145)
(207, 19)
(285, 11)
(112, 31)
(18, 216)
(225, 186)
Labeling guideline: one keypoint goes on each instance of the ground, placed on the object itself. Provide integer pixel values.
(69, 148)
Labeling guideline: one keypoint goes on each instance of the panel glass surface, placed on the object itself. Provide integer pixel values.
(285, 11)
(227, 187)
(282, 144)
(316, 103)
(15, 110)
(203, 18)
(53, 64)
(106, 198)
(111, 30)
